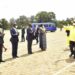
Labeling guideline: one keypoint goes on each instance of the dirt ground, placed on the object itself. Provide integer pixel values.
(48, 62)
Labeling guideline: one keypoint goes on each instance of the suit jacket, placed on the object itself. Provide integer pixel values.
(30, 34)
(14, 35)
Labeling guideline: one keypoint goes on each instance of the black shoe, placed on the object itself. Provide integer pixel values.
(30, 53)
(74, 57)
(15, 57)
(43, 49)
(70, 55)
(2, 61)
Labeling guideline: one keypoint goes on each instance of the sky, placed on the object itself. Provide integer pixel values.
(15, 8)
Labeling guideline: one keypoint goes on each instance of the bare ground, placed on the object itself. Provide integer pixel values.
(48, 62)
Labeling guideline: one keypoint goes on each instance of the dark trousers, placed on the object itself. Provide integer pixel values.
(14, 49)
(29, 46)
(37, 39)
(22, 38)
(72, 48)
(1, 52)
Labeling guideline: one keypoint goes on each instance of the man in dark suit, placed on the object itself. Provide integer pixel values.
(37, 34)
(22, 34)
(29, 38)
(1, 43)
(14, 40)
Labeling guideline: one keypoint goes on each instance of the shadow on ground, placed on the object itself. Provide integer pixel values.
(24, 55)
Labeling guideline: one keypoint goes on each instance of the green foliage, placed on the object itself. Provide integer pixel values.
(51, 16)
(32, 19)
(69, 20)
(22, 21)
(42, 16)
(61, 23)
(4, 23)
(45, 16)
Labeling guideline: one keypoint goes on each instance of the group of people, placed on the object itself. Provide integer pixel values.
(70, 30)
(39, 33)
(34, 34)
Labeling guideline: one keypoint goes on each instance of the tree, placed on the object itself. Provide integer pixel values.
(42, 16)
(61, 23)
(51, 16)
(69, 20)
(32, 19)
(45, 16)
(4, 23)
(22, 21)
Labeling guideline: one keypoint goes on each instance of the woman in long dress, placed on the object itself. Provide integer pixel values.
(42, 38)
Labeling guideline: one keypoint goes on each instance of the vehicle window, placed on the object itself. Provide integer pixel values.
(34, 25)
(53, 24)
(49, 25)
(45, 25)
